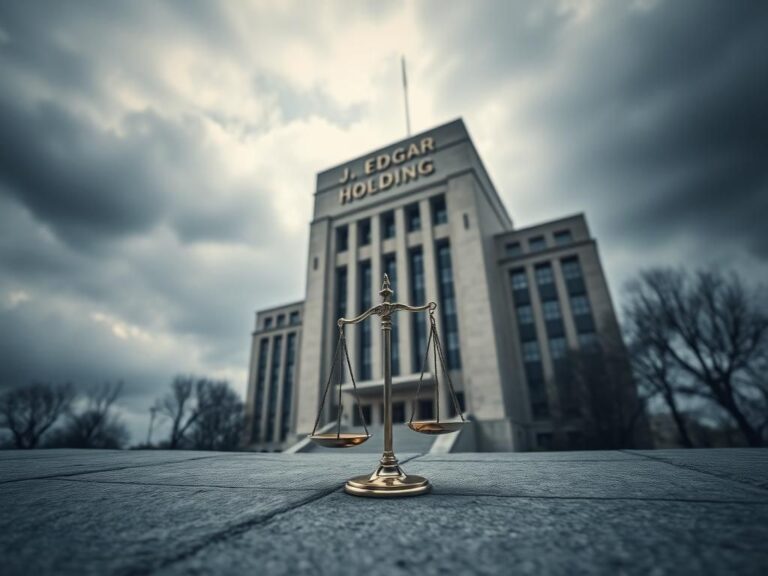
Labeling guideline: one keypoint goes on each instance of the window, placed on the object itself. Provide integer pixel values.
(418, 296)
(364, 232)
(544, 440)
(531, 352)
(537, 243)
(287, 401)
(342, 239)
(588, 341)
(439, 211)
(466, 221)
(519, 280)
(580, 305)
(448, 308)
(261, 376)
(388, 225)
(366, 410)
(281, 319)
(413, 217)
(398, 412)
(558, 348)
(274, 380)
(571, 268)
(552, 310)
(341, 309)
(563, 237)
(294, 318)
(544, 274)
(460, 401)
(426, 409)
(390, 269)
(267, 322)
(525, 314)
(513, 249)
(365, 287)
(315, 262)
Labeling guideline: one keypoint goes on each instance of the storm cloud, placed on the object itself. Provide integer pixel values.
(157, 160)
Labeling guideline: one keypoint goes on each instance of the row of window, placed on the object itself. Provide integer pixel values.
(271, 389)
(539, 243)
(293, 319)
(449, 317)
(388, 227)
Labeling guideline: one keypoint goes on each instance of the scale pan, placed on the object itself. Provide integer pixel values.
(345, 440)
(432, 427)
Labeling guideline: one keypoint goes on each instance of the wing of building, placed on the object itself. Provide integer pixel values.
(530, 333)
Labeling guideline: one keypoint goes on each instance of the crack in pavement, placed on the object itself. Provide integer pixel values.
(695, 469)
(240, 528)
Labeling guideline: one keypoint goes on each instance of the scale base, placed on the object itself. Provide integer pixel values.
(388, 480)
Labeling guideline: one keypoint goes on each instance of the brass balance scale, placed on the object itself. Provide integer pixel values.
(388, 479)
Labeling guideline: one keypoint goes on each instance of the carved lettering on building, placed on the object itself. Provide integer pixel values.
(384, 171)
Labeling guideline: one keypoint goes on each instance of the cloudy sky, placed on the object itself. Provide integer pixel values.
(157, 159)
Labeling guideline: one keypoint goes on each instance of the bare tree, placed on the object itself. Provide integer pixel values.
(182, 406)
(220, 423)
(96, 425)
(715, 333)
(30, 411)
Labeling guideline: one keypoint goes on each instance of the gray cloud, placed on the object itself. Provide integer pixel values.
(157, 160)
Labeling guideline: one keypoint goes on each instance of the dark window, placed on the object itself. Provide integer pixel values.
(398, 412)
(544, 274)
(294, 318)
(413, 217)
(563, 237)
(261, 375)
(558, 348)
(551, 310)
(439, 210)
(531, 352)
(341, 307)
(571, 268)
(580, 306)
(537, 244)
(290, 364)
(466, 221)
(274, 380)
(448, 305)
(366, 409)
(281, 319)
(388, 225)
(315, 263)
(460, 400)
(365, 287)
(525, 314)
(519, 280)
(364, 232)
(588, 342)
(342, 239)
(544, 440)
(267, 322)
(418, 297)
(390, 269)
(513, 249)
(426, 409)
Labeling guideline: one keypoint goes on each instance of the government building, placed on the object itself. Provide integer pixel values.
(525, 316)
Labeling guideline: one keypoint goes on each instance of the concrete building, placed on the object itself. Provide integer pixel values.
(520, 310)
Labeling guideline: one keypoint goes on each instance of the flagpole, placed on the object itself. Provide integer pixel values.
(405, 94)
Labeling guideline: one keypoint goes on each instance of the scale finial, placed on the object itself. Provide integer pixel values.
(386, 289)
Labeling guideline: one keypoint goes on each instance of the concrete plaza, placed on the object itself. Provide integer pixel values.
(164, 512)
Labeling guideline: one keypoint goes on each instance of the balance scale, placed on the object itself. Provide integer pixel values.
(388, 479)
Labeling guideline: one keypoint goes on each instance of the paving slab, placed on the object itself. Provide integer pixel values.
(437, 535)
(748, 465)
(62, 526)
(27, 465)
(512, 457)
(637, 479)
